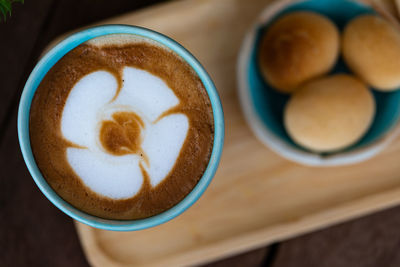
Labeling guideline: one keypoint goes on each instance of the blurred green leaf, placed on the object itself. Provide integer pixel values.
(5, 8)
(3, 11)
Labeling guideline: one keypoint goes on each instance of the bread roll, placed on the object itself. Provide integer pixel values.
(371, 48)
(329, 113)
(297, 47)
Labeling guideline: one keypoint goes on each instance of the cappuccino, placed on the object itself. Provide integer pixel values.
(121, 127)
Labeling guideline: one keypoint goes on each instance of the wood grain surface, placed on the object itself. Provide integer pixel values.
(368, 242)
(35, 233)
(19, 36)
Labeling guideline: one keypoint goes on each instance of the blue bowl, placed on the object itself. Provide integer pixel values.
(45, 64)
(263, 106)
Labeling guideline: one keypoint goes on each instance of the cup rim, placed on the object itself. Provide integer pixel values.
(48, 61)
(270, 139)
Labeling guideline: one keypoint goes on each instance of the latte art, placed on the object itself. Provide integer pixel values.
(121, 127)
(120, 134)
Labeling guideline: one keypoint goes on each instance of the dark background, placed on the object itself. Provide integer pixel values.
(35, 233)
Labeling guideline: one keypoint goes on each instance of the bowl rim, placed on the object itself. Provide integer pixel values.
(270, 139)
(45, 64)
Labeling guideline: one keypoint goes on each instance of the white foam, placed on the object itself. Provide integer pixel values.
(162, 145)
(106, 174)
(91, 101)
(89, 95)
(145, 93)
(120, 39)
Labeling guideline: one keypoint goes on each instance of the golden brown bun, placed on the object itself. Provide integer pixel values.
(297, 47)
(329, 113)
(371, 48)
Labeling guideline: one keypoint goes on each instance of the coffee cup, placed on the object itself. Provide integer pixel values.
(43, 67)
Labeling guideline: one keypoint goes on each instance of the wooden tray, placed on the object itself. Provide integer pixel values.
(256, 197)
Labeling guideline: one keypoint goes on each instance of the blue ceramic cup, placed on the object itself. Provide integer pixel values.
(263, 106)
(45, 64)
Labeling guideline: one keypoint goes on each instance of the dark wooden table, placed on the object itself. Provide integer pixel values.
(35, 233)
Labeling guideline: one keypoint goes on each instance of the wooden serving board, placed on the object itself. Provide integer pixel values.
(256, 197)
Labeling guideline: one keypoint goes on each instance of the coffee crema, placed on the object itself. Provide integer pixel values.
(121, 127)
